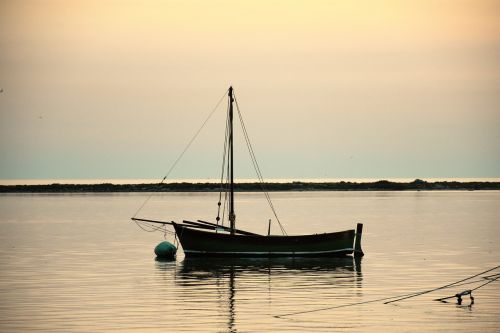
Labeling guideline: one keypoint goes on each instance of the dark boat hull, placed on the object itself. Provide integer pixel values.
(199, 243)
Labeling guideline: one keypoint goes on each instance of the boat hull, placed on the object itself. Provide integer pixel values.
(199, 243)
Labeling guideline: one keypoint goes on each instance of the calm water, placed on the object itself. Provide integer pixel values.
(75, 263)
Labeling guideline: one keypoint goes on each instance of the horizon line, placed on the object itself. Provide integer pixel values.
(130, 181)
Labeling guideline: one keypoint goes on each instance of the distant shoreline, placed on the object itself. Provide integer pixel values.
(381, 185)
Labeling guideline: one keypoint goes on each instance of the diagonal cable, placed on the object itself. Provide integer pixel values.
(184, 151)
(256, 166)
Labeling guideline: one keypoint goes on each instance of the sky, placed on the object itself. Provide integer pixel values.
(328, 89)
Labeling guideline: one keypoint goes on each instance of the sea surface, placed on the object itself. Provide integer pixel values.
(77, 263)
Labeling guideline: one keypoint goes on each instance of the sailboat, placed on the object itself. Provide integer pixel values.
(208, 239)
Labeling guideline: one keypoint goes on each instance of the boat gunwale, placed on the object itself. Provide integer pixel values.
(275, 237)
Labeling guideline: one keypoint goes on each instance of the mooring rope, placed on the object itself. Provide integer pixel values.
(406, 296)
(443, 287)
(338, 306)
(494, 276)
(468, 292)
(484, 284)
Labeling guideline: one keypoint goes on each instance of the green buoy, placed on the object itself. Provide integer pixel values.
(165, 250)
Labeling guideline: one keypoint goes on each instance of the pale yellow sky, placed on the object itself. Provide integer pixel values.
(115, 89)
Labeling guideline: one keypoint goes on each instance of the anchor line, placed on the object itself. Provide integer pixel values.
(443, 287)
(469, 292)
(406, 296)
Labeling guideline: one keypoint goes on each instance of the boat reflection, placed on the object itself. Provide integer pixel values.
(219, 267)
(236, 280)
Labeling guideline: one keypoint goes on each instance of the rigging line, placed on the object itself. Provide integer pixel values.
(224, 206)
(443, 287)
(256, 165)
(249, 145)
(150, 228)
(223, 169)
(226, 193)
(226, 203)
(184, 151)
(147, 227)
(259, 173)
(254, 162)
(225, 185)
(226, 134)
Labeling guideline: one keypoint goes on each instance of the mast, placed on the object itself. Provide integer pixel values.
(232, 216)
